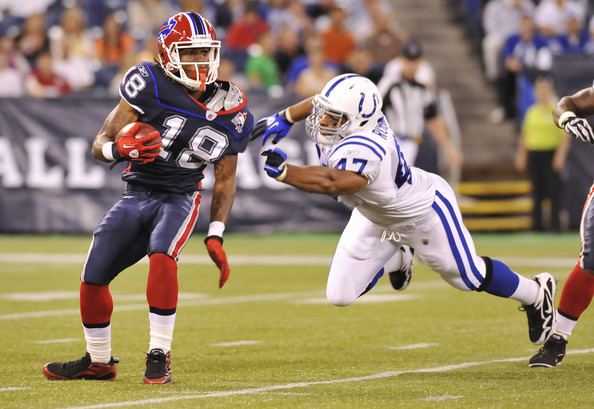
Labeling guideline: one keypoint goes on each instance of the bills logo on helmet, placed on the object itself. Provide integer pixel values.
(167, 28)
(239, 121)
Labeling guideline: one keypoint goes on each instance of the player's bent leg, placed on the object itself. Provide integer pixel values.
(358, 261)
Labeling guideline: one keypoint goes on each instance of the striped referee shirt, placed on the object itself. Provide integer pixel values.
(407, 105)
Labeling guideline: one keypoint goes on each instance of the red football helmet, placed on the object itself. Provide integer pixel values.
(183, 31)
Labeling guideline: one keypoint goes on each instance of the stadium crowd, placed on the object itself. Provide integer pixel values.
(50, 48)
(520, 40)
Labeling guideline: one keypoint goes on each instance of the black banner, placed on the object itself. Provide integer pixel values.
(50, 183)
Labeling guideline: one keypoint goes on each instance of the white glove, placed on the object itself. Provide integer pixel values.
(580, 129)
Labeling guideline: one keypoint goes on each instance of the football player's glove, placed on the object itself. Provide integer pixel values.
(142, 149)
(276, 124)
(214, 245)
(580, 129)
(276, 163)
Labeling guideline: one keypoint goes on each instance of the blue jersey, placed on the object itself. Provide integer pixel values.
(194, 133)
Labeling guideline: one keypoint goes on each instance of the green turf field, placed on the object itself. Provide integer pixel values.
(268, 340)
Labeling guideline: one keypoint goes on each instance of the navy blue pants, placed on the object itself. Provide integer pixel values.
(142, 222)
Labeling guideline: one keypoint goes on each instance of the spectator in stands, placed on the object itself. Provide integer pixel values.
(572, 42)
(526, 55)
(313, 78)
(242, 33)
(313, 45)
(43, 81)
(14, 58)
(11, 78)
(385, 42)
(551, 16)
(73, 49)
(112, 47)
(33, 38)
(361, 62)
(146, 16)
(278, 15)
(589, 45)
(247, 30)
(412, 54)
(261, 69)
(542, 150)
(288, 49)
(411, 108)
(501, 19)
(337, 40)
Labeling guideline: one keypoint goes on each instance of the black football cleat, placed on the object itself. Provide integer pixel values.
(541, 314)
(400, 279)
(81, 369)
(158, 367)
(551, 354)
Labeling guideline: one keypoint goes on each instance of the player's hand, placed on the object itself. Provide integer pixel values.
(214, 245)
(144, 149)
(276, 163)
(580, 129)
(266, 127)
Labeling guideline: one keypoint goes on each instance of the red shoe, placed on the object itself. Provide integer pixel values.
(158, 367)
(80, 369)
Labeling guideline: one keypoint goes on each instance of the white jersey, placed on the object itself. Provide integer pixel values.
(395, 191)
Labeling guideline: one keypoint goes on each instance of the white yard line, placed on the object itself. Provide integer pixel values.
(235, 343)
(58, 341)
(14, 388)
(412, 346)
(305, 260)
(288, 386)
(444, 397)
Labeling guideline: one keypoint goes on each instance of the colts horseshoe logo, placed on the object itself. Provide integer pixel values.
(361, 101)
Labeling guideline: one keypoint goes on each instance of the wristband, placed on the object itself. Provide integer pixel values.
(216, 229)
(565, 116)
(107, 151)
(283, 175)
(287, 116)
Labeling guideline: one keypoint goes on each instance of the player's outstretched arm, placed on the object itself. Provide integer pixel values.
(571, 112)
(313, 179)
(275, 127)
(223, 196)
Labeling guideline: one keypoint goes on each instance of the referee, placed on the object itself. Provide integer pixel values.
(411, 106)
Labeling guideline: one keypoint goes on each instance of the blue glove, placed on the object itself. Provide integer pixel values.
(268, 126)
(276, 163)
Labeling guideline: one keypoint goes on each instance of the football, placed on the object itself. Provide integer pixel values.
(144, 130)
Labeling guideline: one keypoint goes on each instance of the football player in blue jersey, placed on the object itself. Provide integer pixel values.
(200, 121)
(396, 207)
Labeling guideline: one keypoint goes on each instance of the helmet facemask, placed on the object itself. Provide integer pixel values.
(205, 72)
(325, 125)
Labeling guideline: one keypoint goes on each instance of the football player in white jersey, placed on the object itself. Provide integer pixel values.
(395, 206)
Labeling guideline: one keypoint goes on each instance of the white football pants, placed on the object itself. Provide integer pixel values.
(438, 236)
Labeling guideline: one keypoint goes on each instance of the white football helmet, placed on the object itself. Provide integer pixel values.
(188, 30)
(347, 104)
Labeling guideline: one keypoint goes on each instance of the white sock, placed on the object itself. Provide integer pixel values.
(99, 343)
(527, 291)
(161, 331)
(564, 326)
